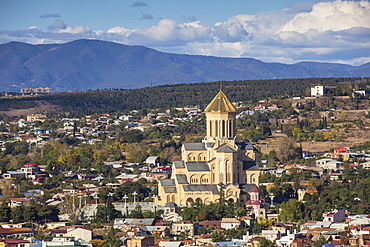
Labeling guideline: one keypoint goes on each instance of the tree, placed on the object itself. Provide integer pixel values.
(106, 213)
(4, 212)
(218, 236)
(30, 213)
(111, 240)
(286, 149)
(137, 212)
(17, 214)
(320, 241)
(263, 242)
(291, 210)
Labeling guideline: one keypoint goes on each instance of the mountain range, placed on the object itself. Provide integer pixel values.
(94, 64)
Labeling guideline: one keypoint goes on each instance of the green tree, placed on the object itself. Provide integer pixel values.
(291, 210)
(17, 214)
(4, 212)
(320, 241)
(111, 240)
(106, 213)
(30, 213)
(218, 236)
(263, 242)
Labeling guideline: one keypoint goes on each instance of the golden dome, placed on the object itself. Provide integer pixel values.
(220, 103)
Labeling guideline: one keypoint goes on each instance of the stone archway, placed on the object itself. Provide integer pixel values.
(198, 200)
(189, 201)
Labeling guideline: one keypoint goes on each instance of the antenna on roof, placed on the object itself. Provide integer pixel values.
(220, 85)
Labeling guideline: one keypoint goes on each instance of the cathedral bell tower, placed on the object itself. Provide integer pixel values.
(221, 116)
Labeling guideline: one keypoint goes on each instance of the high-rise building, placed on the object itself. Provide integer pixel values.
(219, 164)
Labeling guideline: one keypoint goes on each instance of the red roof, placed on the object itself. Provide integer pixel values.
(337, 242)
(30, 164)
(254, 202)
(13, 241)
(213, 223)
(340, 150)
(5, 231)
(255, 189)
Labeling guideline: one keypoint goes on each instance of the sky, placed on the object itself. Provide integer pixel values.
(286, 31)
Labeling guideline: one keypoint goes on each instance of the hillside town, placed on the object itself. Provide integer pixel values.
(188, 176)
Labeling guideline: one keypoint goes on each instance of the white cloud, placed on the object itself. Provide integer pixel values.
(78, 29)
(326, 31)
(334, 16)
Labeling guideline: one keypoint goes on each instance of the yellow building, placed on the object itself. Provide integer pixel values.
(220, 160)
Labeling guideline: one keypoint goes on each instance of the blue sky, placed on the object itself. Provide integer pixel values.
(285, 31)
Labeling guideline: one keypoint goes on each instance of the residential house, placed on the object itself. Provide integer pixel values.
(31, 170)
(162, 231)
(169, 244)
(153, 161)
(303, 192)
(10, 242)
(302, 242)
(271, 235)
(75, 232)
(78, 232)
(335, 176)
(16, 232)
(14, 174)
(329, 164)
(183, 226)
(365, 165)
(231, 223)
(36, 117)
(286, 240)
(65, 241)
(15, 202)
(317, 91)
(362, 240)
(211, 223)
(142, 241)
(127, 118)
(334, 215)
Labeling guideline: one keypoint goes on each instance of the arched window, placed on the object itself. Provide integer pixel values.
(198, 200)
(193, 179)
(201, 157)
(189, 201)
(216, 128)
(204, 179)
(223, 129)
(230, 128)
(213, 174)
(227, 168)
(191, 157)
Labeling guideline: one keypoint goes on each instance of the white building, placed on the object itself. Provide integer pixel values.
(317, 91)
(328, 164)
(230, 223)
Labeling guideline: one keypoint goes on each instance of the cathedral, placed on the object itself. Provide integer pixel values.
(219, 162)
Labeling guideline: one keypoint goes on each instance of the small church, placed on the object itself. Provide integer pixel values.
(219, 162)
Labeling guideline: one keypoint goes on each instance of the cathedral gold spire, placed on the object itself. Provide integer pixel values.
(220, 103)
(221, 116)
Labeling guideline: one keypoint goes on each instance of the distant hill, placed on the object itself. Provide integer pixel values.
(94, 64)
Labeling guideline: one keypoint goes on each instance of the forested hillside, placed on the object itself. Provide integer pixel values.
(173, 95)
